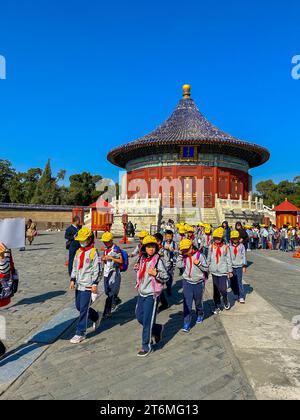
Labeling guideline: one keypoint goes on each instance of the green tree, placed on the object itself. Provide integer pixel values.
(47, 191)
(30, 180)
(16, 189)
(82, 190)
(7, 173)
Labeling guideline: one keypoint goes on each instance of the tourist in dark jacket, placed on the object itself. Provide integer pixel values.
(244, 238)
(227, 231)
(72, 245)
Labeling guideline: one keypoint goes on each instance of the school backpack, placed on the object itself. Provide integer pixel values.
(8, 287)
(125, 265)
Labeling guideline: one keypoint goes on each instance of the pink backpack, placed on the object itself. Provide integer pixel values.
(156, 286)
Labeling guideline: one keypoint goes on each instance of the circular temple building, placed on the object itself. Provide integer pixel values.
(188, 146)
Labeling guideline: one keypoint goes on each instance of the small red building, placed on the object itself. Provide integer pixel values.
(101, 215)
(286, 214)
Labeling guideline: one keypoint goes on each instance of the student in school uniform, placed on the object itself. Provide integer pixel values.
(85, 277)
(239, 264)
(137, 251)
(112, 261)
(220, 266)
(195, 274)
(151, 278)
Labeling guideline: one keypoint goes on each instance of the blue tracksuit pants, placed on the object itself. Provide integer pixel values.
(145, 311)
(220, 289)
(192, 293)
(83, 303)
(237, 283)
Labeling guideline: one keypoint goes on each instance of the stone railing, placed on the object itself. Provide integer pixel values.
(136, 206)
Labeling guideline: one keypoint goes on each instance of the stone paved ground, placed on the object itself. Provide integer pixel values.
(209, 363)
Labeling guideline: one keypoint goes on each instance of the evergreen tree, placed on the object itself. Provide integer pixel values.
(46, 191)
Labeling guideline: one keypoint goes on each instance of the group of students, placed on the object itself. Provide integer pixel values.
(285, 239)
(157, 256)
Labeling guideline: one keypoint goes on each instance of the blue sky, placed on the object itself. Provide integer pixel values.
(86, 76)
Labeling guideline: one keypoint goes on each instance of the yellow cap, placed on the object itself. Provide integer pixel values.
(234, 234)
(182, 230)
(83, 234)
(189, 229)
(218, 233)
(185, 244)
(142, 234)
(207, 230)
(149, 239)
(107, 237)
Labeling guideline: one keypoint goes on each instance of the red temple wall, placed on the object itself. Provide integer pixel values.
(221, 181)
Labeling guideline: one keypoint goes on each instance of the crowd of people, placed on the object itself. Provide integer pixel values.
(196, 252)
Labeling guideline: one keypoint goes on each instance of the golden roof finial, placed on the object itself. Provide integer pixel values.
(186, 91)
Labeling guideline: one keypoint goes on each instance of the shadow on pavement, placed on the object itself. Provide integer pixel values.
(40, 298)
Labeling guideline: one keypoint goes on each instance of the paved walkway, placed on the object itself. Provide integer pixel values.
(243, 354)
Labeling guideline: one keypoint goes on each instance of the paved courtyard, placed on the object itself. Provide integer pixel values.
(246, 353)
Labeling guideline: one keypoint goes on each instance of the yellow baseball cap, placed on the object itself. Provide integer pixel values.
(218, 233)
(234, 234)
(83, 234)
(149, 240)
(185, 244)
(142, 234)
(107, 237)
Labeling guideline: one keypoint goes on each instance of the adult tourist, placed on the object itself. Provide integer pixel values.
(244, 238)
(227, 230)
(275, 237)
(31, 231)
(72, 245)
(284, 239)
(264, 234)
(130, 229)
(256, 236)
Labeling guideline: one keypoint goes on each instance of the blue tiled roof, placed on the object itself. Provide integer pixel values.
(187, 125)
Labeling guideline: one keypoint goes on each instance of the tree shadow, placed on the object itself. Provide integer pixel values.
(122, 316)
(40, 298)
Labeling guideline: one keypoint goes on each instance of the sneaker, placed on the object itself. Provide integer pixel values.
(217, 311)
(186, 328)
(77, 339)
(200, 319)
(144, 353)
(242, 300)
(106, 316)
(157, 338)
(227, 306)
(96, 324)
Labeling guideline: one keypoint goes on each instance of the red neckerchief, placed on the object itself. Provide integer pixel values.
(236, 248)
(82, 255)
(142, 270)
(218, 251)
(207, 239)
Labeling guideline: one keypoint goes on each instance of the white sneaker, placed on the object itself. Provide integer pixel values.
(96, 324)
(77, 339)
(242, 300)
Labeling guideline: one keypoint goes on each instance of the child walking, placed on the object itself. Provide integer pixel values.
(112, 260)
(137, 251)
(84, 279)
(151, 277)
(195, 274)
(220, 266)
(239, 264)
